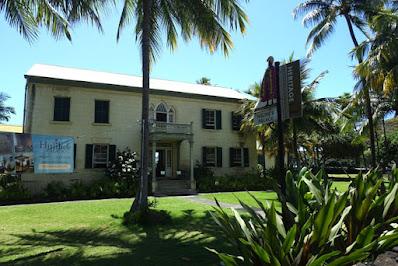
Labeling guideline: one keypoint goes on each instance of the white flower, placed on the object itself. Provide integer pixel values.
(124, 170)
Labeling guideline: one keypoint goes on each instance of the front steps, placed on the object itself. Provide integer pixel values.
(173, 188)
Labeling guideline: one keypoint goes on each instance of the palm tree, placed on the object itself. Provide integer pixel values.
(5, 111)
(323, 15)
(204, 19)
(204, 81)
(27, 16)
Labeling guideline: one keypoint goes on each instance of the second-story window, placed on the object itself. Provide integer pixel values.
(101, 112)
(236, 121)
(61, 108)
(163, 113)
(211, 119)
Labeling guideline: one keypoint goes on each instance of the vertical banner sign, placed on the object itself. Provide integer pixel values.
(290, 86)
(53, 154)
(265, 111)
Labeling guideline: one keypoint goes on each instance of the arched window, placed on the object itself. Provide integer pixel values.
(161, 113)
(151, 113)
(171, 115)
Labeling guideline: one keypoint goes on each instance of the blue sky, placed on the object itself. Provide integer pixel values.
(272, 31)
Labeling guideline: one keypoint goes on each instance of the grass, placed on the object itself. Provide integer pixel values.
(234, 197)
(91, 233)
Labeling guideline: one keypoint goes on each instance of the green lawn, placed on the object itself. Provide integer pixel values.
(234, 197)
(91, 233)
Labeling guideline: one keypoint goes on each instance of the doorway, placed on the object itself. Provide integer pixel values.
(164, 162)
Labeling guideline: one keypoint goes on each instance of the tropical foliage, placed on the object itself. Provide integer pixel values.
(329, 227)
(5, 111)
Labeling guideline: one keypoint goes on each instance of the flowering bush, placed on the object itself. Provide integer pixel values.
(124, 167)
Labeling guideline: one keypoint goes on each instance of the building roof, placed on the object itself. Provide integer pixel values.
(11, 128)
(106, 78)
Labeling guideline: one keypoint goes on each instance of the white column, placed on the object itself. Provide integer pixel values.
(193, 183)
(154, 184)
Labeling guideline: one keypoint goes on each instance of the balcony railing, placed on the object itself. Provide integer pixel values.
(170, 128)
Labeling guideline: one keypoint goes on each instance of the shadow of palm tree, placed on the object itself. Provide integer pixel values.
(182, 242)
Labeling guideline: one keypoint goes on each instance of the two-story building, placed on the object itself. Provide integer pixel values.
(190, 123)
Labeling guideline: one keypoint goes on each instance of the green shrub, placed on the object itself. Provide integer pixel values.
(12, 189)
(248, 181)
(57, 190)
(328, 227)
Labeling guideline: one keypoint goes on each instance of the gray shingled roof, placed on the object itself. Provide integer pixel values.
(97, 77)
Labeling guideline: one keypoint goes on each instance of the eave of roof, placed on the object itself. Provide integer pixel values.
(103, 80)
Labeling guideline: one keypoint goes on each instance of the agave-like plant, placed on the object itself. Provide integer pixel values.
(330, 227)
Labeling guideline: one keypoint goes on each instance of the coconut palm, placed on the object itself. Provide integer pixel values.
(204, 81)
(27, 16)
(208, 20)
(323, 16)
(5, 111)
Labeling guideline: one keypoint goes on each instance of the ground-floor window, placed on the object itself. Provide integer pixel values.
(212, 156)
(239, 157)
(99, 155)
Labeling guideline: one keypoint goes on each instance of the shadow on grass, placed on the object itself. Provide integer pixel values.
(182, 242)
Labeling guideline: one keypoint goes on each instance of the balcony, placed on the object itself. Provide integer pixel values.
(162, 130)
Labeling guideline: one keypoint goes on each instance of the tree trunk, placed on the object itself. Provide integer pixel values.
(295, 144)
(141, 199)
(366, 92)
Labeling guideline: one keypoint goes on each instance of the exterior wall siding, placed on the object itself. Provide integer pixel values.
(124, 129)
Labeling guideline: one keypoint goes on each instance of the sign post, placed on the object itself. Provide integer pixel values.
(280, 100)
(281, 146)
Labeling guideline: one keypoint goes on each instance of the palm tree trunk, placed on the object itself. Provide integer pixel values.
(295, 144)
(367, 97)
(141, 199)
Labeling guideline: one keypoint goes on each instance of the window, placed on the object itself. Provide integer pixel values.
(61, 109)
(101, 112)
(236, 121)
(212, 156)
(211, 119)
(239, 157)
(164, 113)
(98, 155)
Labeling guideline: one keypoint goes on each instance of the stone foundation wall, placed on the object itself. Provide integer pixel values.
(36, 183)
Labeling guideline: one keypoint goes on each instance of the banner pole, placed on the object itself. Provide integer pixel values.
(281, 148)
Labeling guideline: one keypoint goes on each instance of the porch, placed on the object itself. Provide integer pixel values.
(169, 175)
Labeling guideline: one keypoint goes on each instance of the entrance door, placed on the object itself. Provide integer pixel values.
(164, 162)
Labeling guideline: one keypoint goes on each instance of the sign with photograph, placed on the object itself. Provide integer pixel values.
(53, 154)
(26, 153)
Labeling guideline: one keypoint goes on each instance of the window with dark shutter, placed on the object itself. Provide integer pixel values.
(99, 155)
(74, 155)
(212, 156)
(211, 119)
(61, 109)
(239, 157)
(236, 121)
(101, 112)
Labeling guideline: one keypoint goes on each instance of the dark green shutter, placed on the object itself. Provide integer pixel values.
(219, 157)
(89, 156)
(231, 152)
(218, 119)
(112, 153)
(203, 118)
(204, 156)
(246, 157)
